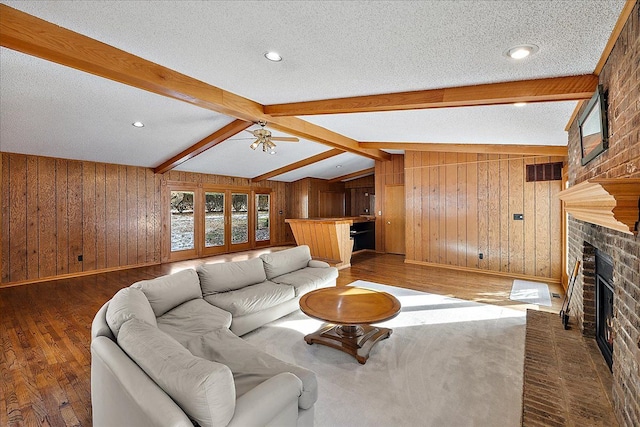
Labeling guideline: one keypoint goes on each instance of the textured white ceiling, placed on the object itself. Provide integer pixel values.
(532, 124)
(327, 169)
(330, 49)
(234, 157)
(50, 110)
(345, 48)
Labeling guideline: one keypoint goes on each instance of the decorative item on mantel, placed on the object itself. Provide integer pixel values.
(609, 202)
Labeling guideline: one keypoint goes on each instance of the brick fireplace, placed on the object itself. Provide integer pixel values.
(620, 78)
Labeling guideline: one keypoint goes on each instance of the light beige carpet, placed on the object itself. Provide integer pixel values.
(448, 362)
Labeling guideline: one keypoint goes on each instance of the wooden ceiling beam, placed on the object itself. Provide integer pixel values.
(358, 174)
(203, 145)
(571, 88)
(297, 165)
(540, 150)
(33, 36)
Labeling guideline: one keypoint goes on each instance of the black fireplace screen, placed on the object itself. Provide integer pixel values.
(604, 306)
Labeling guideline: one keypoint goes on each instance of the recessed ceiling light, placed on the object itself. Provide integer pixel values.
(519, 104)
(521, 52)
(138, 124)
(338, 166)
(273, 56)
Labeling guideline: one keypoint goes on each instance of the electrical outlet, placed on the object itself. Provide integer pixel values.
(480, 255)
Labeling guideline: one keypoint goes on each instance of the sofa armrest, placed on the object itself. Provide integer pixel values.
(122, 394)
(273, 402)
(317, 264)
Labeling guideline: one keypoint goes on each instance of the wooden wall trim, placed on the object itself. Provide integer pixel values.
(615, 33)
(357, 174)
(74, 275)
(487, 272)
(617, 29)
(442, 147)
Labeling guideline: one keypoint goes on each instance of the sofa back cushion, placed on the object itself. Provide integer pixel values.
(229, 276)
(170, 291)
(286, 261)
(203, 389)
(127, 304)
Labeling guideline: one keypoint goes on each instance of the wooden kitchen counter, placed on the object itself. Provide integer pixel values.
(328, 239)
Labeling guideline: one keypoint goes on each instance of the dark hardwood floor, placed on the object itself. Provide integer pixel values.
(45, 328)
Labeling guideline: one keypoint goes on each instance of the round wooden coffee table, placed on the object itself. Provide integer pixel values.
(350, 310)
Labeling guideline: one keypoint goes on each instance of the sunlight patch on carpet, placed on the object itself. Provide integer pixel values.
(530, 293)
(447, 362)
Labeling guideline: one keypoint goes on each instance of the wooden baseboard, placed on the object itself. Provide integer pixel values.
(488, 272)
(74, 275)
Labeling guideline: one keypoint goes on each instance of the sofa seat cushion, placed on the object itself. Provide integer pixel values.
(250, 365)
(251, 299)
(170, 291)
(283, 262)
(193, 318)
(308, 279)
(204, 389)
(229, 276)
(127, 304)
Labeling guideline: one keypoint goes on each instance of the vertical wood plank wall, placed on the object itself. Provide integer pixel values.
(60, 209)
(54, 210)
(358, 192)
(460, 205)
(303, 196)
(303, 199)
(387, 173)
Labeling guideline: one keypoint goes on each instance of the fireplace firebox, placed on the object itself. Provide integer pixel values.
(604, 306)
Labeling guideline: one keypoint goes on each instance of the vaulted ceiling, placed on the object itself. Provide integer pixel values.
(195, 74)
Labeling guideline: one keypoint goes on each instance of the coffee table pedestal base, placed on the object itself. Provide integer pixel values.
(356, 340)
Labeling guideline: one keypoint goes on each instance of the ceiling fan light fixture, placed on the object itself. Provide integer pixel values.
(521, 51)
(255, 145)
(273, 56)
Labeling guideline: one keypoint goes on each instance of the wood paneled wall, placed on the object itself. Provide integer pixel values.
(303, 196)
(278, 203)
(460, 205)
(358, 193)
(56, 210)
(387, 173)
(365, 181)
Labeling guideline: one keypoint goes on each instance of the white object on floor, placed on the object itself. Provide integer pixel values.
(448, 362)
(530, 292)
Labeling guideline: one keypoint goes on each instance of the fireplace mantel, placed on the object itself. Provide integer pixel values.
(609, 202)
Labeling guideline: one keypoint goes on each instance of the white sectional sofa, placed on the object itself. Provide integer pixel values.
(167, 351)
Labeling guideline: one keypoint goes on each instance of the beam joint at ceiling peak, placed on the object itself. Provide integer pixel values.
(33, 36)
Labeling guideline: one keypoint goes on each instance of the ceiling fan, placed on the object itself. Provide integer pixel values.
(263, 136)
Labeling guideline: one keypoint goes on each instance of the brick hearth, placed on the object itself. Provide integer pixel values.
(566, 381)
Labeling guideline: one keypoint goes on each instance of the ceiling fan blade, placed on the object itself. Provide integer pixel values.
(285, 138)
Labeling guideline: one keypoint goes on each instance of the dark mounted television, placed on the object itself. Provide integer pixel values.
(594, 134)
